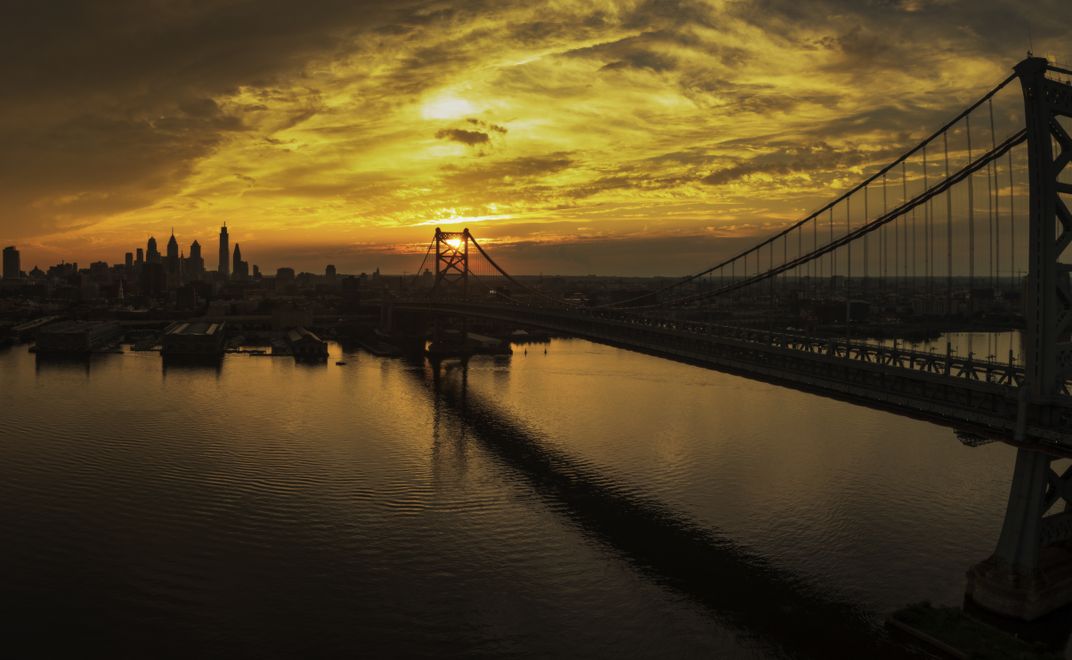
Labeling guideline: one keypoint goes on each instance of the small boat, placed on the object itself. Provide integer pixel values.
(340, 363)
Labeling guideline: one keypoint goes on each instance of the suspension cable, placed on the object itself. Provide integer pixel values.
(514, 281)
(923, 198)
(829, 206)
(420, 269)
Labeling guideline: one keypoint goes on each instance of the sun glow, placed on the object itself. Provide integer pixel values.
(447, 107)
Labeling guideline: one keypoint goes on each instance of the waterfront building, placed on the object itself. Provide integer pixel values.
(77, 337)
(194, 340)
(305, 345)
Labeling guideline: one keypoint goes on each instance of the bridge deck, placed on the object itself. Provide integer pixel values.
(980, 397)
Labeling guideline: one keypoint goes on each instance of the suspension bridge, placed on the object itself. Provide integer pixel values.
(970, 225)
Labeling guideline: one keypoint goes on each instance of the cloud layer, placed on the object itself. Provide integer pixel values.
(341, 130)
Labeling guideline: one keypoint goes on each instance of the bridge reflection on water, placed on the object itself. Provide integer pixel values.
(742, 589)
(910, 250)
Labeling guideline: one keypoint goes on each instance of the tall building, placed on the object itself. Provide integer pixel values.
(128, 261)
(152, 255)
(225, 253)
(12, 265)
(173, 262)
(195, 262)
(239, 268)
(139, 260)
(330, 273)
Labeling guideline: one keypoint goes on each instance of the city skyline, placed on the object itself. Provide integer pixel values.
(577, 138)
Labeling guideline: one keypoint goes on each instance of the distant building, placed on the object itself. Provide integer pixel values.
(284, 276)
(225, 253)
(193, 340)
(239, 268)
(77, 337)
(186, 297)
(285, 316)
(12, 263)
(330, 273)
(128, 260)
(172, 247)
(305, 345)
(153, 279)
(152, 255)
(195, 263)
(139, 259)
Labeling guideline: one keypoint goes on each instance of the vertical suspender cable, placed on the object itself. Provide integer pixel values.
(848, 248)
(926, 224)
(948, 231)
(990, 224)
(904, 181)
(997, 199)
(885, 234)
(1012, 221)
(867, 248)
(971, 221)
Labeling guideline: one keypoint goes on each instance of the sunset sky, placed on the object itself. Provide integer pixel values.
(575, 137)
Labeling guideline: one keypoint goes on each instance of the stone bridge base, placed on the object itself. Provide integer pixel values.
(994, 586)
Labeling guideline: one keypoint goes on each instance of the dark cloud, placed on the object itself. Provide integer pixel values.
(513, 170)
(105, 106)
(487, 125)
(470, 138)
(816, 159)
(643, 59)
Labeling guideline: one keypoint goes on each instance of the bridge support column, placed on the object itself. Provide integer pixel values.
(1030, 573)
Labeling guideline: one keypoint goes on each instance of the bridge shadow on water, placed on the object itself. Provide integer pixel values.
(741, 589)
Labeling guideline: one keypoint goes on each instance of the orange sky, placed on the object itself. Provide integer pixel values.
(604, 137)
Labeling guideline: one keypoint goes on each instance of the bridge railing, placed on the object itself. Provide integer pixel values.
(949, 365)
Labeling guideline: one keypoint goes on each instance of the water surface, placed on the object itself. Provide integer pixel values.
(583, 501)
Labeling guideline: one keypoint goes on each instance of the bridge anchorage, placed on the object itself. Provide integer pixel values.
(905, 246)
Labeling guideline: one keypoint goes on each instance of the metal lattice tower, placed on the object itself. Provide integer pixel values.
(451, 263)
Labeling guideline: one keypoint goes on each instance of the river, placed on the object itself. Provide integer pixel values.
(570, 500)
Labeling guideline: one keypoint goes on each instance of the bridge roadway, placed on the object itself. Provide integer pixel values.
(970, 395)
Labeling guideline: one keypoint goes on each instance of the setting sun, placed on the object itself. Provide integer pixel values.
(447, 107)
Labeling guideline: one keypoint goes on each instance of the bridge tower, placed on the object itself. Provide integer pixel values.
(451, 282)
(451, 264)
(1030, 572)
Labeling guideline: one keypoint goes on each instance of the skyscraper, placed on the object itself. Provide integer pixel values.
(195, 263)
(128, 261)
(172, 261)
(152, 255)
(139, 259)
(225, 253)
(12, 265)
(239, 268)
